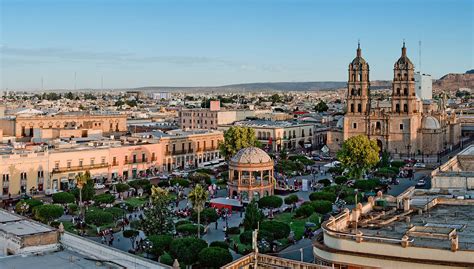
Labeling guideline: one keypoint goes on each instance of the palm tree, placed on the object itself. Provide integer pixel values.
(198, 197)
(81, 180)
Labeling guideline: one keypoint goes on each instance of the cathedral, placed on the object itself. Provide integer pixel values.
(406, 126)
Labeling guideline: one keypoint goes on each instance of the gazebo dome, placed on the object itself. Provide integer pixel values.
(251, 155)
(430, 123)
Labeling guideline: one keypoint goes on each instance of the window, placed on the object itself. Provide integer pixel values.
(126, 158)
(397, 108)
(359, 108)
(401, 126)
(189, 146)
(352, 108)
(354, 125)
(405, 92)
(102, 160)
(56, 165)
(143, 157)
(80, 163)
(92, 161)
(378, 125)
(114, 160)
(398, 91)
(405, 107)
(68, 164)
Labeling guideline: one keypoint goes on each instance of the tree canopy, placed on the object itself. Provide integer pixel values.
(253, 215)
(159, 218)
(63, 198)
(236, 138)
(186, 249)
(358, 154)
(214, 257)
(47, 213)
(321, 106)
(272, 201)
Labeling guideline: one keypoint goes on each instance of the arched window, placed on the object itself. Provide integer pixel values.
(397, 108)
(359, 108)
(405, 91)
(405, 107)
(352, 108)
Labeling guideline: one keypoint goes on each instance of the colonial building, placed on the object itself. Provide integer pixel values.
(408, 127)
(24, 170)
(26, 125)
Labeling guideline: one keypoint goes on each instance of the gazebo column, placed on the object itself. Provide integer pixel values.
(261, 178)
(240, 178)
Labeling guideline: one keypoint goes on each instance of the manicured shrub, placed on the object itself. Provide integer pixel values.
(367, 184)
(189, 229)
(182, 221)
(271, 201)
(166, 259)
(122, 187)
(214, 257)
(179, 181)
(47, 213)
(397, 164)
(341, 180)
(246, 237)
(198, 177)
(160, 243)
(116, 212)
(73, 208)
(219, 244)
(326, 182)
(233, 230)
(277, 228)
(163, 184)
(291, 199)
(304, 211)
(104, 198)
(187, 249)
(323, 195)
(63, 198)
(99, 217)
(322, 207)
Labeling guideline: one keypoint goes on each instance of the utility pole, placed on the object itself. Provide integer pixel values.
(419, 55)
(75, 80)
(102, 83)
(42, 84)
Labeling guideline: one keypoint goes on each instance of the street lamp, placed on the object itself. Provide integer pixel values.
(356, 192)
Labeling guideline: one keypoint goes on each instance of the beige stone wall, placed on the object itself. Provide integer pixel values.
(107, 123)
(8, 126)
(40, 239)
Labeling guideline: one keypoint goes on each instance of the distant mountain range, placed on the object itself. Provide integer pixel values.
(268, 86)
(453, 82)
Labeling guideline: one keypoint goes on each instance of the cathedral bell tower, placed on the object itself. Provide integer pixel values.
(358, 97)
(403, 86)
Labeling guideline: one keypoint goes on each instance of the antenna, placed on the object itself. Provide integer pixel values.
(102, 83)
(75, 80)
(419, 55)
(42, 84)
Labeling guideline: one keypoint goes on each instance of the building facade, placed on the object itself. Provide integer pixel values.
(277, 135)
(408, 127)
(24, 125)
(423, 86)
(28, 171)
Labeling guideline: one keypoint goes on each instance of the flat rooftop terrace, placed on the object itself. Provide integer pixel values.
(438, 222)
(53, 260)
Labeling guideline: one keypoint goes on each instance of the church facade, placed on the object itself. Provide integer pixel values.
(404, 127)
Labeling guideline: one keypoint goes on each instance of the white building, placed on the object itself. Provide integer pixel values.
(423, 86)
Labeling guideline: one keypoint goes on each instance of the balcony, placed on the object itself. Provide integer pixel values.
(6, 184)
(40, 180)
(79, 168)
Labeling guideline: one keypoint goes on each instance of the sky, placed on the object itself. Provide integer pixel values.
(70, 44)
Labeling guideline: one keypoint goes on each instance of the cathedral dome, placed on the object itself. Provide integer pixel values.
(430, 123)
(358, 60)
(404, 62)
(251, 155)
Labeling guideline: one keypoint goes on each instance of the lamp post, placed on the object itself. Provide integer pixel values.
(356, 192)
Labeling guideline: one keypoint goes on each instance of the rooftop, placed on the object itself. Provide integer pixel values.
(431, 228)
(269, 123)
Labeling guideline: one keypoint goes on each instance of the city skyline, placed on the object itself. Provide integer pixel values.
(212, 43)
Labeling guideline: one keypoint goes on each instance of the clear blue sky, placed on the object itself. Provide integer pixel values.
(203, 43)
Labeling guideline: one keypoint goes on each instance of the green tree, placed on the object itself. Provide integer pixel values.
(322, 206)
(323, 195)
(47, 213)
(122, 187)
(271, 202)
(166, 259)
(358, 154)
(187, 249)
(214, 257)
(198, 197)
(197, 177)
(104, 198)
(208, 215)
(219, 244)
(98, 217)
(84, 190)
(253, 215)
(159, 218)
(304, 211)
(160, 243)
(63, 198)
(321, 106)
(69, 96)
(292, 199)
(236, 138)
(278, 229)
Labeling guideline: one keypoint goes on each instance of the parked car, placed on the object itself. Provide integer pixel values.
(99, 186)
(419, 165)
(316, 158)
(421, 183)
(49, 192)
